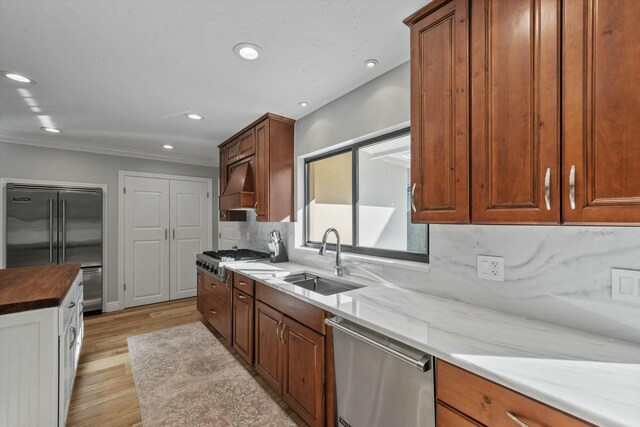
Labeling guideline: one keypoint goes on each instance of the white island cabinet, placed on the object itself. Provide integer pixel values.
(39, 351)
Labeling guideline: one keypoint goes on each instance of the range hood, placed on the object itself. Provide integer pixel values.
(238, 194)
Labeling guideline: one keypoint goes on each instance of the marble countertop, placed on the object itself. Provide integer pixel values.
(590, 376)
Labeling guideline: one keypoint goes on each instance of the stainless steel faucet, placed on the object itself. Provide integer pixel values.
(339, 267)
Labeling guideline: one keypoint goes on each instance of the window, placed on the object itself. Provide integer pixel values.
(363, 191)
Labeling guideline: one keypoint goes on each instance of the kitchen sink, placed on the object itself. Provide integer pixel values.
(320, 284)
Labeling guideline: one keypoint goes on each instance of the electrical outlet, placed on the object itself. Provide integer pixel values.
(491, 268)
(625, 285)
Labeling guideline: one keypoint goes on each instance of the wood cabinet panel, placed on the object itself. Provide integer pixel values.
(217, 287)
(199, 291)
(232, 150)
(601, 104)
(268, 349)
(488, 402)
(243, 283)
(227, 215)
(243, 325)
(246, 144)
(218, 313)
(303, 375)
(447, 417)
(439, 115)
(515, 103)
(262, 171)
(305, 313)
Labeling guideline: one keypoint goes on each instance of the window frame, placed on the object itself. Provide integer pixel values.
(354, 248)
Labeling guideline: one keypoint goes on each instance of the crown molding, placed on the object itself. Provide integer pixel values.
(63, 144)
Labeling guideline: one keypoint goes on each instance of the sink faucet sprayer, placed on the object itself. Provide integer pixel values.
(339, 267)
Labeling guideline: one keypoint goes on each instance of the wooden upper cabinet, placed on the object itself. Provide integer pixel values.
(267, 144)
(515, 93)
(262, 169)
(601, 111)
(439, 113)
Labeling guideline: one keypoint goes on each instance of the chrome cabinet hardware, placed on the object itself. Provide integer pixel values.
(255, 208)
(73, 304)
(515, 419)
(282, 333)
(213, 311)
(413, 193)
(547, 188)
(242, 282)
(572, 186)
(75, 336)
(278, 330)
(64, 230)
(241, 296)
(51, 230)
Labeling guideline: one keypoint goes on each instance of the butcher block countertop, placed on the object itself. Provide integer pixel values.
(32, 288)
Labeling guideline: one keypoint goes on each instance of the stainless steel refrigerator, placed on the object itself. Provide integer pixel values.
(57, 225)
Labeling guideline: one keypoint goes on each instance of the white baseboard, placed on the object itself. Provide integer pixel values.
(113, 306)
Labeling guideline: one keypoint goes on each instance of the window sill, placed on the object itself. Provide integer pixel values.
(388, 262)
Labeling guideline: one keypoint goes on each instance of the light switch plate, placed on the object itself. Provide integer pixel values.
(625, 285)
(491, 267)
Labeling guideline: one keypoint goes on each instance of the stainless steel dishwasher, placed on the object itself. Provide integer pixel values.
(380, 381)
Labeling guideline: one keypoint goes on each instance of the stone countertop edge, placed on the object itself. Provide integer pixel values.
(522, 381)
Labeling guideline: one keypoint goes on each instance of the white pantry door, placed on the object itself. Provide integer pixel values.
(190, 234)
(146, 238)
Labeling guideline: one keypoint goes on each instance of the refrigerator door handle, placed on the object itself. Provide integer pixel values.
(50, 230)
(64, 230)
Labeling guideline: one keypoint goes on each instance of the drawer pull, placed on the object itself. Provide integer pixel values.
(213, 311)
(242, 297)
(73, 304)
(80, 284)
(515, 419)
(213, 285)
(242, 282)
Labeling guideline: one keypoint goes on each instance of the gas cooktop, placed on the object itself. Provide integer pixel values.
(236, 255)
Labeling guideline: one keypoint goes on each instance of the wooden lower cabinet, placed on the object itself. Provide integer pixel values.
(214, 303)
(243, 325)
(488, 403)
(303, 373)
(290, 354)
(268, 349)
(199, 291)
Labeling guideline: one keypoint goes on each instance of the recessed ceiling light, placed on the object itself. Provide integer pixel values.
(194, 116)
(303, 104)
(18, 78)
(52, 130)
(370, 63)
(247, 51)
(167, 147)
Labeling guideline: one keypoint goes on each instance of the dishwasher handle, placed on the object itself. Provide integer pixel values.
(423, 364)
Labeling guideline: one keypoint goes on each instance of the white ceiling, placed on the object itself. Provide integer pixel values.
(118, 76)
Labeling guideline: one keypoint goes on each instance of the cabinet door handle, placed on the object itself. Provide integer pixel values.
(75, 336)
(572, 186)
(515, 419)
(547, 188)
(255, 208)
(282, 333)
(413, 193)
(278, 330)
(73, 304)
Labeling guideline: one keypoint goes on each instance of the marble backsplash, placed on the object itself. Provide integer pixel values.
(557, 274)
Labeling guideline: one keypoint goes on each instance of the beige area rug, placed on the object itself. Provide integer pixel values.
(184, 376)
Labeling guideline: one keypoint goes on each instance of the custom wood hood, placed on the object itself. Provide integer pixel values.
(239, 192)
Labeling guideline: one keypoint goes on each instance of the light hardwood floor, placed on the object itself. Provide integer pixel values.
(104, 393)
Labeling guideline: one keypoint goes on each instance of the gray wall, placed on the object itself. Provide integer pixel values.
(30, 162)
(557, 274)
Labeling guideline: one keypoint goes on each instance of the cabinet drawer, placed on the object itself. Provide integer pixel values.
(67, 307)
(217, 287)
(490, 403)
(247, 144)
(218, 313)
(243, 283)
(445, 417)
